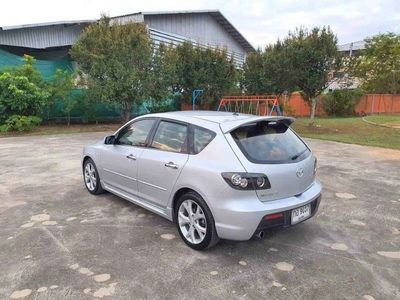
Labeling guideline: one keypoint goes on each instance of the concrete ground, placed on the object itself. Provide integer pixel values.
(59, 242)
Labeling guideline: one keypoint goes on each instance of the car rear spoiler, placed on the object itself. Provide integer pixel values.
(232, 125)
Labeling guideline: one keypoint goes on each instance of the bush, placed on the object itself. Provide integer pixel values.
(20, 96)
(20, 123)
(341, 102)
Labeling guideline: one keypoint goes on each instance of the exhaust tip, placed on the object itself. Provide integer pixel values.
(259, 235)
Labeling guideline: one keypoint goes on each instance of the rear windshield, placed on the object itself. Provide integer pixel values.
(269, 142)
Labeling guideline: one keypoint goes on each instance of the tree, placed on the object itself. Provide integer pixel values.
(203, 68)
(20, 96)
(268, 71)
(188, 75)
(60, 88)
(378, 66)
(117, 61)
(220, 75)
(304, 60)
(28, 70)
(313, 57)
(253, 80)
(24, 94)
(163, 77)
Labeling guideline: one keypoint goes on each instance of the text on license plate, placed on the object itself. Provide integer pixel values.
(301, 213)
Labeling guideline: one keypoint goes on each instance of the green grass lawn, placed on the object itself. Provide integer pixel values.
(353, 130)
(388, 120)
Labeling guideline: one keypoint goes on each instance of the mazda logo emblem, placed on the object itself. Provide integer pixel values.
(300, 172)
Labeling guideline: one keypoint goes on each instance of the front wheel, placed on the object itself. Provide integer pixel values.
(91, 177)
(195, 222)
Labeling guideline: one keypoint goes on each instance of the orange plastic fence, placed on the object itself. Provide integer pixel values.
(371, 103)
(378, 103)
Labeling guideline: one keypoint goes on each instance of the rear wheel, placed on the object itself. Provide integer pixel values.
(91, 177)
(195, 222)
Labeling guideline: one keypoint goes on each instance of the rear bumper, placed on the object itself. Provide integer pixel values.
(285, 221)
(240, 219)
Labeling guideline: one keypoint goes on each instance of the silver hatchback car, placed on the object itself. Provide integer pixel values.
(215, 174)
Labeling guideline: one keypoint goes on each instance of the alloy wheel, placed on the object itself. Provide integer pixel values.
(192, 221)
(90, 176)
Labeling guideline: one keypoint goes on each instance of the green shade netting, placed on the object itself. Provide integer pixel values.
(46, 67)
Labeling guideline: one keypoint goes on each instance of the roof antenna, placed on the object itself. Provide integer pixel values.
(235, 113)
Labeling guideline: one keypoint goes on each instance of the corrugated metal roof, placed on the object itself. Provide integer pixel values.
(72, 22)
(159, 36)
(42, 37)
(55, 34)
(353, 46)
(216, 14)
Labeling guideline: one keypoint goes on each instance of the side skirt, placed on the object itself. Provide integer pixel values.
(153, 208)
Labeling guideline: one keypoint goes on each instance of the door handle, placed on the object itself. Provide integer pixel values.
(171, 165)
(131, 156)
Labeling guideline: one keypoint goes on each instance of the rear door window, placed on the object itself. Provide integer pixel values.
(171, 137)
(269, 142)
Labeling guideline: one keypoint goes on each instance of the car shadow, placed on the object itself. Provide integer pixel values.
(273, 237)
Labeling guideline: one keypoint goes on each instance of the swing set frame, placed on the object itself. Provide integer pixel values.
(260, 105)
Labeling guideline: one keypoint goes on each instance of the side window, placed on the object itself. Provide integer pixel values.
(136, 133)
(170, 137)
(201, 138)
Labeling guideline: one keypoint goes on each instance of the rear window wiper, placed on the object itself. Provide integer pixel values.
(296, 156)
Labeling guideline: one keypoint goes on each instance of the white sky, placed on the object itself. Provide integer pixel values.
(261, 22)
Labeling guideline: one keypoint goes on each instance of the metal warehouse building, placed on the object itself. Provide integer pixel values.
(49, 43)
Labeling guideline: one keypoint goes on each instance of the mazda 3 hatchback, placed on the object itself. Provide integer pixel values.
(214, 174)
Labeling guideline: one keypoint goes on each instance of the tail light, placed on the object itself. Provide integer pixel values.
(247, 181)
(273, 216)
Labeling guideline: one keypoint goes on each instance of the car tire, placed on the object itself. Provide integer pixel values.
(191, 228)
(91, 177)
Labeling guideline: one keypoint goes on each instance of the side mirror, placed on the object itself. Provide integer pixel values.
(109, 140)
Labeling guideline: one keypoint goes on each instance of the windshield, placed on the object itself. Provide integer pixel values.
(269, 142)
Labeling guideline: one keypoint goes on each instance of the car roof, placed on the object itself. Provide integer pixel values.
(226, 120)
(206, 115)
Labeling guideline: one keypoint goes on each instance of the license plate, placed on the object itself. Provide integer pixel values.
(301, 213)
